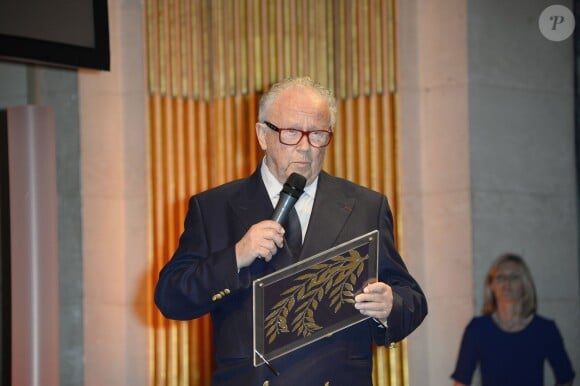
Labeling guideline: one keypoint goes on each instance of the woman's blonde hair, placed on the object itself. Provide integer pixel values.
(528, 300)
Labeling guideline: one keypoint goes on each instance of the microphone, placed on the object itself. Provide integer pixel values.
(291, 191)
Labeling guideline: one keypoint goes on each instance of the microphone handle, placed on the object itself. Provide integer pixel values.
(283, 208)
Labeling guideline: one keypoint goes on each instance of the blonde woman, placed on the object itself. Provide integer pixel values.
(510, 342)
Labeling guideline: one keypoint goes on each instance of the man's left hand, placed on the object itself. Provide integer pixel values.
(375, 301)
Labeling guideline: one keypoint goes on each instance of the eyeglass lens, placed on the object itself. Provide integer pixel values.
(293, 137)
(316, 138)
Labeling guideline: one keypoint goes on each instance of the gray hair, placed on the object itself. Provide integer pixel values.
(287, 83)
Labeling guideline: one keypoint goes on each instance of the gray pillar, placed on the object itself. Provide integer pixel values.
(34, 246)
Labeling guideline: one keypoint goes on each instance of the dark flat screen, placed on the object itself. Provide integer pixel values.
(70, 33)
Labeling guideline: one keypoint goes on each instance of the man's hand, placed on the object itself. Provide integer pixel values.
(262, 239)
(375, 301)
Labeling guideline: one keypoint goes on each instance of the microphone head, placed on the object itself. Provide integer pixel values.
(294, 185)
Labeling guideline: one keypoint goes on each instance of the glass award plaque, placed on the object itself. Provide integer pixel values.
(313, 298)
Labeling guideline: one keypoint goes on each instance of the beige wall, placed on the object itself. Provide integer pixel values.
(486, 124)
(435, 188)
(115, 208)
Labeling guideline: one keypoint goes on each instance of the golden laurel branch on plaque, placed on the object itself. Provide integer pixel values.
(333, 279)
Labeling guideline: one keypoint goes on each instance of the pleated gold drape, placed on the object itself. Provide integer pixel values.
(208, 62)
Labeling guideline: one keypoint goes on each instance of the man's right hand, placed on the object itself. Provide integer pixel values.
(262, 240)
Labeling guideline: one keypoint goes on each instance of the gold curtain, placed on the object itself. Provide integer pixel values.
(208, 63)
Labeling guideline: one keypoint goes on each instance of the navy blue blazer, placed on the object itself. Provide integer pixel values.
(202, 277)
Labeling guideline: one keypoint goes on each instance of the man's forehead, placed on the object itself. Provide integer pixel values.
(301, 102)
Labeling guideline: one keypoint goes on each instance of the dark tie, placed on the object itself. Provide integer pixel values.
(294, 234)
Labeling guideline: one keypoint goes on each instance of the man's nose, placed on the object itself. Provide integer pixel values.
(304, 142)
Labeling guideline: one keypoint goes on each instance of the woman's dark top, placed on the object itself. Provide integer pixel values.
(512, 358)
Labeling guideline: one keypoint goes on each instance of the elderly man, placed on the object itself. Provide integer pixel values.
(229, 240)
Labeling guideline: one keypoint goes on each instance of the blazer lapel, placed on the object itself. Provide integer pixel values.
(331, 209)
(252, 204)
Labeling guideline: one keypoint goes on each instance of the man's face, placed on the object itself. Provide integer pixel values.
(295, 108)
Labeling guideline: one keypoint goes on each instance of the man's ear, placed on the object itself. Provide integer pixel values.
(261, 134)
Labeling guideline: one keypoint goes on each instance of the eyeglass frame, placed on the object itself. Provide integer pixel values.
(502, 278)
(303, 133)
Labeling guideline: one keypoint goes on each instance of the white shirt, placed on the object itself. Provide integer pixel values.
(303, 205)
